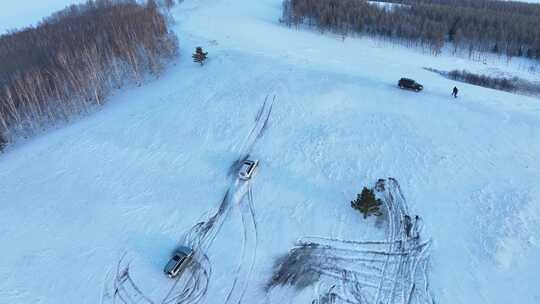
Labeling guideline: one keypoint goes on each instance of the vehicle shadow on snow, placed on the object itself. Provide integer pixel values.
(236, 164)
(145, 245)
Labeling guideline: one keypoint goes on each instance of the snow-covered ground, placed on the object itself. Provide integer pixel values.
(127, 184)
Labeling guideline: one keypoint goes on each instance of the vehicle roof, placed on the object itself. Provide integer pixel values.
(170, 265)
(184, 250)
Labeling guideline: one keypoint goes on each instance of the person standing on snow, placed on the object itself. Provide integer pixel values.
(454, 92)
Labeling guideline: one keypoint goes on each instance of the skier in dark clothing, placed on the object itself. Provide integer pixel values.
(454, 92)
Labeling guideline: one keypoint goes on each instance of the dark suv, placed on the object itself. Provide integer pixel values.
(406, 83)
(179, 260)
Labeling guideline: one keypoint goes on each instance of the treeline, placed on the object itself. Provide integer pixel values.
(498, 83)
(502, 27)
(71, 61)
(513, 84)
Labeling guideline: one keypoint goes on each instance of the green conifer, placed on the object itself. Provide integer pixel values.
(367, 204)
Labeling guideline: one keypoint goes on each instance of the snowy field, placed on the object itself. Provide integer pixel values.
(154, 169)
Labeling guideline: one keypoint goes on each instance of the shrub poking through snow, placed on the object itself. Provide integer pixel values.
(3, 142)
(367, 204)
(498, 83)
(297, 268)
(512, 84)
(200, 56)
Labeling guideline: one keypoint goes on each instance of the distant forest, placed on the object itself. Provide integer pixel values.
(71, 61)
(502, 27)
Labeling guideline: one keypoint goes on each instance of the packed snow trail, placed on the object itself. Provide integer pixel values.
(404, 241)
(124, 290)
(257, 131)
(202, 235)
(371, 271)
(192, 284)
(248, 252)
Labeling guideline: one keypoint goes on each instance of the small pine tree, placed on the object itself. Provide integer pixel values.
(200, 56)
(367, 203)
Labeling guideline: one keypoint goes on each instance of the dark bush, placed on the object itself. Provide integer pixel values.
(504, 84)
(3, 143)
(296, 268)
(513, 84)
(199, 56)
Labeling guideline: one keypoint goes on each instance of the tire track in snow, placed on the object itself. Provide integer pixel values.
(192, 285)
(263, 114)
(397, 210)
(391, 239)
(389, 271)
(204, 233)
(196, 284)
(247, 260)
(403, 270)
(124, 288)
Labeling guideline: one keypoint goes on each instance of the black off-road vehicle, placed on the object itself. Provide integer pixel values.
(406, 83)
(178, 261)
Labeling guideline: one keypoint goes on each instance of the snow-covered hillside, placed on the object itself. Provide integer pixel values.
(128, 184)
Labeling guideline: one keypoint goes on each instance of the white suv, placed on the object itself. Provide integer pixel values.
(247, 169)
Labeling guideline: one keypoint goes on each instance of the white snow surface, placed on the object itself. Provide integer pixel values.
(134, 177)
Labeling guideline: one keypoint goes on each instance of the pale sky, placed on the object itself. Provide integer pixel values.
(21, 13)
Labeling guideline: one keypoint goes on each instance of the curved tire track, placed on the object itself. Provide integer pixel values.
(390, 271)
(196, 283)
(192, 285)
(249, 243)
